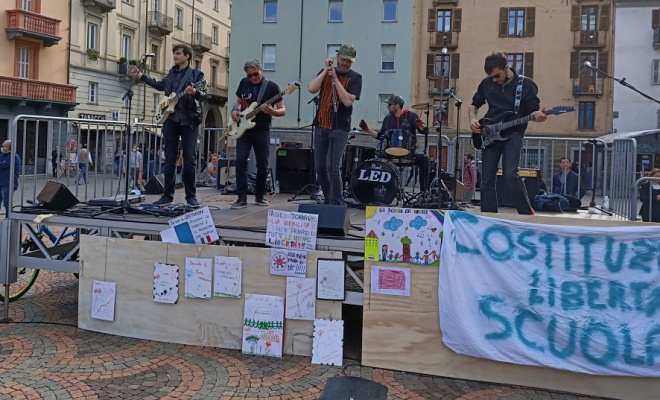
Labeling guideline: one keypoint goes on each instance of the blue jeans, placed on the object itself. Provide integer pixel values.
(4, 199)
(509, 151)
(83, 172)
(260, 141)
(172, 131)
(329, 147)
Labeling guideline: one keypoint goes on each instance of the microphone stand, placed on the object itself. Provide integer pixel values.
(622, 81)
(459, 102)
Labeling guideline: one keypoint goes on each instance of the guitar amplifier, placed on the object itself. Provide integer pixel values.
(293, 169)
(531, 179)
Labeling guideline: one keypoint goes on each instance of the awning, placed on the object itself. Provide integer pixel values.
(611, 137)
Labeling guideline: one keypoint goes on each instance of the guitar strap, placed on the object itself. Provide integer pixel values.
(516, 103)
(184, 80)
(262, 90)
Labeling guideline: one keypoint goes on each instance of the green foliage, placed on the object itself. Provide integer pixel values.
(122, 60)
(93, 54)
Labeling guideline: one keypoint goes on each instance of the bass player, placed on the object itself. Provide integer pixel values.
(504, 90)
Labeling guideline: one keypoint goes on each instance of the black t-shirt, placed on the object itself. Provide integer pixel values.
(352, 82)
(407, 122)
(248, 94)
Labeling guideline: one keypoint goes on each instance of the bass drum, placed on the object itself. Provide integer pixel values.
(375, 182)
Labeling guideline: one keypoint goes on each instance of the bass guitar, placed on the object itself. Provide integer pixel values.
(492, 127)
(167, 103)
(236, 129)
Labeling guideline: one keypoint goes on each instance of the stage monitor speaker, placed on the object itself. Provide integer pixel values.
(532, 183)
(353, 387)
(293, 169)
(333, 219)
(156, 184)
(57, 196)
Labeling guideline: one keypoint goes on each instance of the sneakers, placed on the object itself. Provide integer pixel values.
(262, 202)
(192, 202)
(239, 204)
(163, 200)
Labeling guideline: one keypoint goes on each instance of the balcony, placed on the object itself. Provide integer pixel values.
(440, 83)
(104, 5)
(159, 23)
(590, 40)
(588, 86)
(438, 2)
(217, 94)
(37, 90)
(201, 42)
(656, 37)
(444, 39)
(31, 25)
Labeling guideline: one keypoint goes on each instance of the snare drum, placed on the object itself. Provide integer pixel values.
(375, 182)
(401, 144)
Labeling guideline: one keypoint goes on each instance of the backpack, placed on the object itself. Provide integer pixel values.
(552, 202)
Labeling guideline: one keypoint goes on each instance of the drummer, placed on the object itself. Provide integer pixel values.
(404, 122)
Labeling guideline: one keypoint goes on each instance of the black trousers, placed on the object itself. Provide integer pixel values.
(173, 132)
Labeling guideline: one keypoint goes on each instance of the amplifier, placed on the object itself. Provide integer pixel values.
(293, 169)
(531, 180)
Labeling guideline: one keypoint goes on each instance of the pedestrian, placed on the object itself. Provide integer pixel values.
(5, 178)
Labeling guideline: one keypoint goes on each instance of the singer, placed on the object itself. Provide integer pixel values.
(182, 124)
(339, 87)
(505, 91)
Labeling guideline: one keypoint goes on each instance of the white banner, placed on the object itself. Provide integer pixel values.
(582, 299)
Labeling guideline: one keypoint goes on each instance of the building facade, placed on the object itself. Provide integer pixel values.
(34, 76)
(637, 58)
(548, 43)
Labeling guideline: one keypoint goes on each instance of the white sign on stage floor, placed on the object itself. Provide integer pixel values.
(291, 230)
(582, 299)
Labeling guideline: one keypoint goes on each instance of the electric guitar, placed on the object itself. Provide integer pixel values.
(491, 127)
(167, 103)
(236, 129)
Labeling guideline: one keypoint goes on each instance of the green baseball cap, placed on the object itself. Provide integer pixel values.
(347, 51)
(396, 99)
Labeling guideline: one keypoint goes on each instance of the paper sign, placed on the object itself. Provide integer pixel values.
(300, 298)
(103, 300)
(227, 277)
(168, 236)
(390, 280)
(198, 277)
(291, 230)
(195, 227)
(263, 325)
(166, 283)
(287, 262)
(330, 280)
(328, 345)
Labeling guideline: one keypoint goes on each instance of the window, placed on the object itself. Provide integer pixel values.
(268, 57)
(270, 10)
(178, 18)
(332, 50)
(382, 106)
(586, 115)
(656, 72)
(517, 22)
(440, 69)
(24, 54)
(335, 10)
(230, 11)
(92, 94)
(587, 81)
(126, 46)
(214, 34)
(216, 4)
(156, 5)
(228, 42)
(588, 18)
(128, 2)
(444, 21)
(154, 101)
(387, 52)
(198, 25)
(154, 60)
(389, 10)
(92, 35)
(214, 74)
(26, 5)
(198, 63)
(522, 63)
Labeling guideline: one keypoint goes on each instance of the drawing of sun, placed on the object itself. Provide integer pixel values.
(280, 261)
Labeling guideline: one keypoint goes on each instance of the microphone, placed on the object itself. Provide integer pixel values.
(147, 55)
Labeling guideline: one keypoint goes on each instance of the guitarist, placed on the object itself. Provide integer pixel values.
(501, 91)
(182, 124)
(254, 88)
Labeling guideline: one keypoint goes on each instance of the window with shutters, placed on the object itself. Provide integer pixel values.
(522, 63)
(517, 22)
(585, 80)
(444, 26)
(656, 72)
(442, 70)
(586, 114)
(26, 61)
(587, 21)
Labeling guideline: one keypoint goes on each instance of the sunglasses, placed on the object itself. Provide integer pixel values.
(254, 75)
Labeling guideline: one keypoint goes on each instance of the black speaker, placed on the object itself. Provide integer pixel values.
(532, 183)
(293, 169)
(57, 196)
(156, 184)
(353, 387)
(333, 219)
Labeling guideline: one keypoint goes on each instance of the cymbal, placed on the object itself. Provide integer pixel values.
(422, 105)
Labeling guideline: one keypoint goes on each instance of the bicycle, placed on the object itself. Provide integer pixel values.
(25, 277)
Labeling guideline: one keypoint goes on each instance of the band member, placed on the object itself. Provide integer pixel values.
(254, 88)
(182, 124)
(339, 87)
(408, 122)
(499, 90)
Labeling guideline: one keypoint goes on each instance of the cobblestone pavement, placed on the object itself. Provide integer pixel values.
(43, 355)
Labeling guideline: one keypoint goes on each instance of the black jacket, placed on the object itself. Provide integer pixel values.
(186, 107)
(654, 204)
